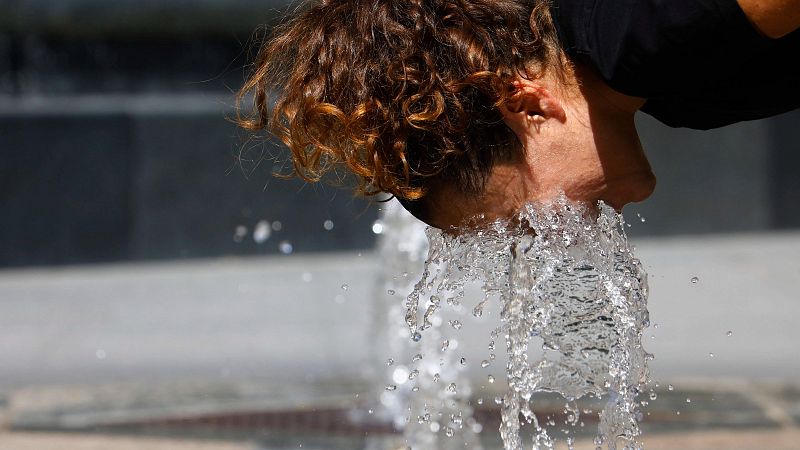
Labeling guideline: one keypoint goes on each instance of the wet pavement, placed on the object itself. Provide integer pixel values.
(693, 415)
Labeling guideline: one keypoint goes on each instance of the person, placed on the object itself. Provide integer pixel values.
(459, 108)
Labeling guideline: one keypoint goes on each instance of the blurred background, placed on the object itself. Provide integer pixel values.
(160, 288)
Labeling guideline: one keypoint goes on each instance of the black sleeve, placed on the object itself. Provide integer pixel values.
(648, 48)
(700, 63)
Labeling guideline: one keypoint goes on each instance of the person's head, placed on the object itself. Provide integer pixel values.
(455, 107)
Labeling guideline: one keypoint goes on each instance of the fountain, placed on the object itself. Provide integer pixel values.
(426, 395)
(566, 280)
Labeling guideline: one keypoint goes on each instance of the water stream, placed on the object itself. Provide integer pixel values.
(566, 280)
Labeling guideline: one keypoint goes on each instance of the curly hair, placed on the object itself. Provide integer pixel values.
(400, 92)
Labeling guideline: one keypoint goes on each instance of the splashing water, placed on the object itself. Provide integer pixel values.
(430, 402)
(566, 277)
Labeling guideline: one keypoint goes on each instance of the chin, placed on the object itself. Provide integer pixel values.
(631, 188)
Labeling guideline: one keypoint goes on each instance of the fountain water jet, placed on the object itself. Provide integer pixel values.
(565, 275)
(430, 400)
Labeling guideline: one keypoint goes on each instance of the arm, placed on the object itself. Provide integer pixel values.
(773, 18)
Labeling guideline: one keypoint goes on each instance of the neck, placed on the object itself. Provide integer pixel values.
(614, 102)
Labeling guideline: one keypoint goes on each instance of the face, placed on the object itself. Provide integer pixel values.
(579, 140)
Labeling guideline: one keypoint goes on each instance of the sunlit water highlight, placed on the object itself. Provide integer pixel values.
(566, 279)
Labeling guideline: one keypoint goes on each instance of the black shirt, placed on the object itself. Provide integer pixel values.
(699, 63)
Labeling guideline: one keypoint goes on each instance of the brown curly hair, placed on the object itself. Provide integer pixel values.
(400, 92)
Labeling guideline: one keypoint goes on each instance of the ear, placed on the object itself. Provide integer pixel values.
(531, 106)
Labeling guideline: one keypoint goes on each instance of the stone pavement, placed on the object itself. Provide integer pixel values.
(728, 415)
(788, 439)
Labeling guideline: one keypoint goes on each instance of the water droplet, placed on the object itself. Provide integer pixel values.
(239, 233)
(653, 396)
(710, 355)
(400, 375)
(370, 411)
(463, 361)
(416, 337)
(345, 287)
(377, 227)
(390, 361)
(678, 413)
(485, 363)
(261, 232)
(448, 432)
(688, 400)
(695, 280)
(670, 387)
(436, 377)
(416, 357)
(498, 400)
(413, 374)
(328, 225)
(445, 344)
(415, 389)
(286, 247)
(491, 379)
(277, 226)
(391, 387)
(390, 292)
(729, 333)
(480, 400)
(455, 324)
(451, 387)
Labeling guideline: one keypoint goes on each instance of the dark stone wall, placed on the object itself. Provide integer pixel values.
(132, 185)
(64, 189)
(59, 65)
(733, 179)
(190, 193)
(784, 183)
(138, 17)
